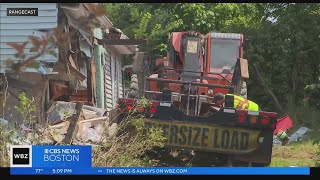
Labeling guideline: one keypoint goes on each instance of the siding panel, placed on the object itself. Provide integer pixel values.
(46, 57)
(108, 82)
(27, 25)
(4, 45)
(35, 19)
(21, 32)
(120, 78)
(17, 28)
(7, 51)
(114, 76)
(42, 6)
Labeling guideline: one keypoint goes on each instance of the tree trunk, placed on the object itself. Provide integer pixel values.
(268, 90)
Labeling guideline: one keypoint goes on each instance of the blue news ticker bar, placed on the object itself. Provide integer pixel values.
(163, 171)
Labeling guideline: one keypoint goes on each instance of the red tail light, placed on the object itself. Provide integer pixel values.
(129, 107)
(152, 109)
(241, 118)
(265, 120)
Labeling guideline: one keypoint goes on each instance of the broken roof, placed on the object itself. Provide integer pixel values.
(74, 11)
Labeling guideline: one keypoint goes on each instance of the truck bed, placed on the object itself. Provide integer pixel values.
(222, 132)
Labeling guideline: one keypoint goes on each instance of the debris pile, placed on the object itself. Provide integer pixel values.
(299, 134)
(276, 142)
(22, 136)
(68, 123)
(296, 136)
(76, 123)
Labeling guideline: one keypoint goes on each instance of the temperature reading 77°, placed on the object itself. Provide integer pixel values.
(38, 171)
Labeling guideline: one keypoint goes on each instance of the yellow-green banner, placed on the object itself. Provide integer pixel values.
(206, 137)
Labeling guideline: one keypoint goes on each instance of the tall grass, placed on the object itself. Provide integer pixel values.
(4, 151)
(12, 133)
(302, 154)
(129, 147)
(131, 144)
(303, 115)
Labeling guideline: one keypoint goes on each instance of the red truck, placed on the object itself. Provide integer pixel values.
(179, 90)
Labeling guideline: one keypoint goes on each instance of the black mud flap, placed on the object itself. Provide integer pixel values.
(263, 154)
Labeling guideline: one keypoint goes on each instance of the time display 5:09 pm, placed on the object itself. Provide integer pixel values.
(61, 171)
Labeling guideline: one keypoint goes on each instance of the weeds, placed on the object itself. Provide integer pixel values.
(129, 148)
(302, 114)
(26, 109)
(130, 145)
(4, 139)
(13, 135)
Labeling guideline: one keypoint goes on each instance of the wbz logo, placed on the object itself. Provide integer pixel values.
(20, 156)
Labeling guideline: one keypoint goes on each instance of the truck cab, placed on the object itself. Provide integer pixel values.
(222, 51)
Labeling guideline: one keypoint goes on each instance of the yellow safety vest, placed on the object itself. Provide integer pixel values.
(244, 104)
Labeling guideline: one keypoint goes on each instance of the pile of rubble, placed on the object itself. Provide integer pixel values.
(68, 123)
(71, 122)
(15, 135)
(296, 136)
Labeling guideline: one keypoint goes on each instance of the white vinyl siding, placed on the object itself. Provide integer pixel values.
(119, 67)
(112, 79)
(17, 29)
(108, 82)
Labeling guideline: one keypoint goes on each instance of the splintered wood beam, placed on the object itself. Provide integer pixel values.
(74, 69)
(94, 119)
(121, 41)
(71, 132)
(77, 73)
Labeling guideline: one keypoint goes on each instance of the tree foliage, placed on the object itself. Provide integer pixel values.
(285, 43)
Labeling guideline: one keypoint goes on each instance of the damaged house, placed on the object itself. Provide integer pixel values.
(88, 70)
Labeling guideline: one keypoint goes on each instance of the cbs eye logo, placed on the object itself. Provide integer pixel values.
(20, 156)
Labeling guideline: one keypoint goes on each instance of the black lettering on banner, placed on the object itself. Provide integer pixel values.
(215, 141)
(204, 137)
(244, 141)
(183, 139)
(225, 139)
(234, 140)
(189, 136)
(194, 142)
(173, 134)
(165, 132)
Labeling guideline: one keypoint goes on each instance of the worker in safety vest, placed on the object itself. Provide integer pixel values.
(238, 101)
(283, 136)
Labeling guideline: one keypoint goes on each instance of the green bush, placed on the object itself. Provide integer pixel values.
(131, 144)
